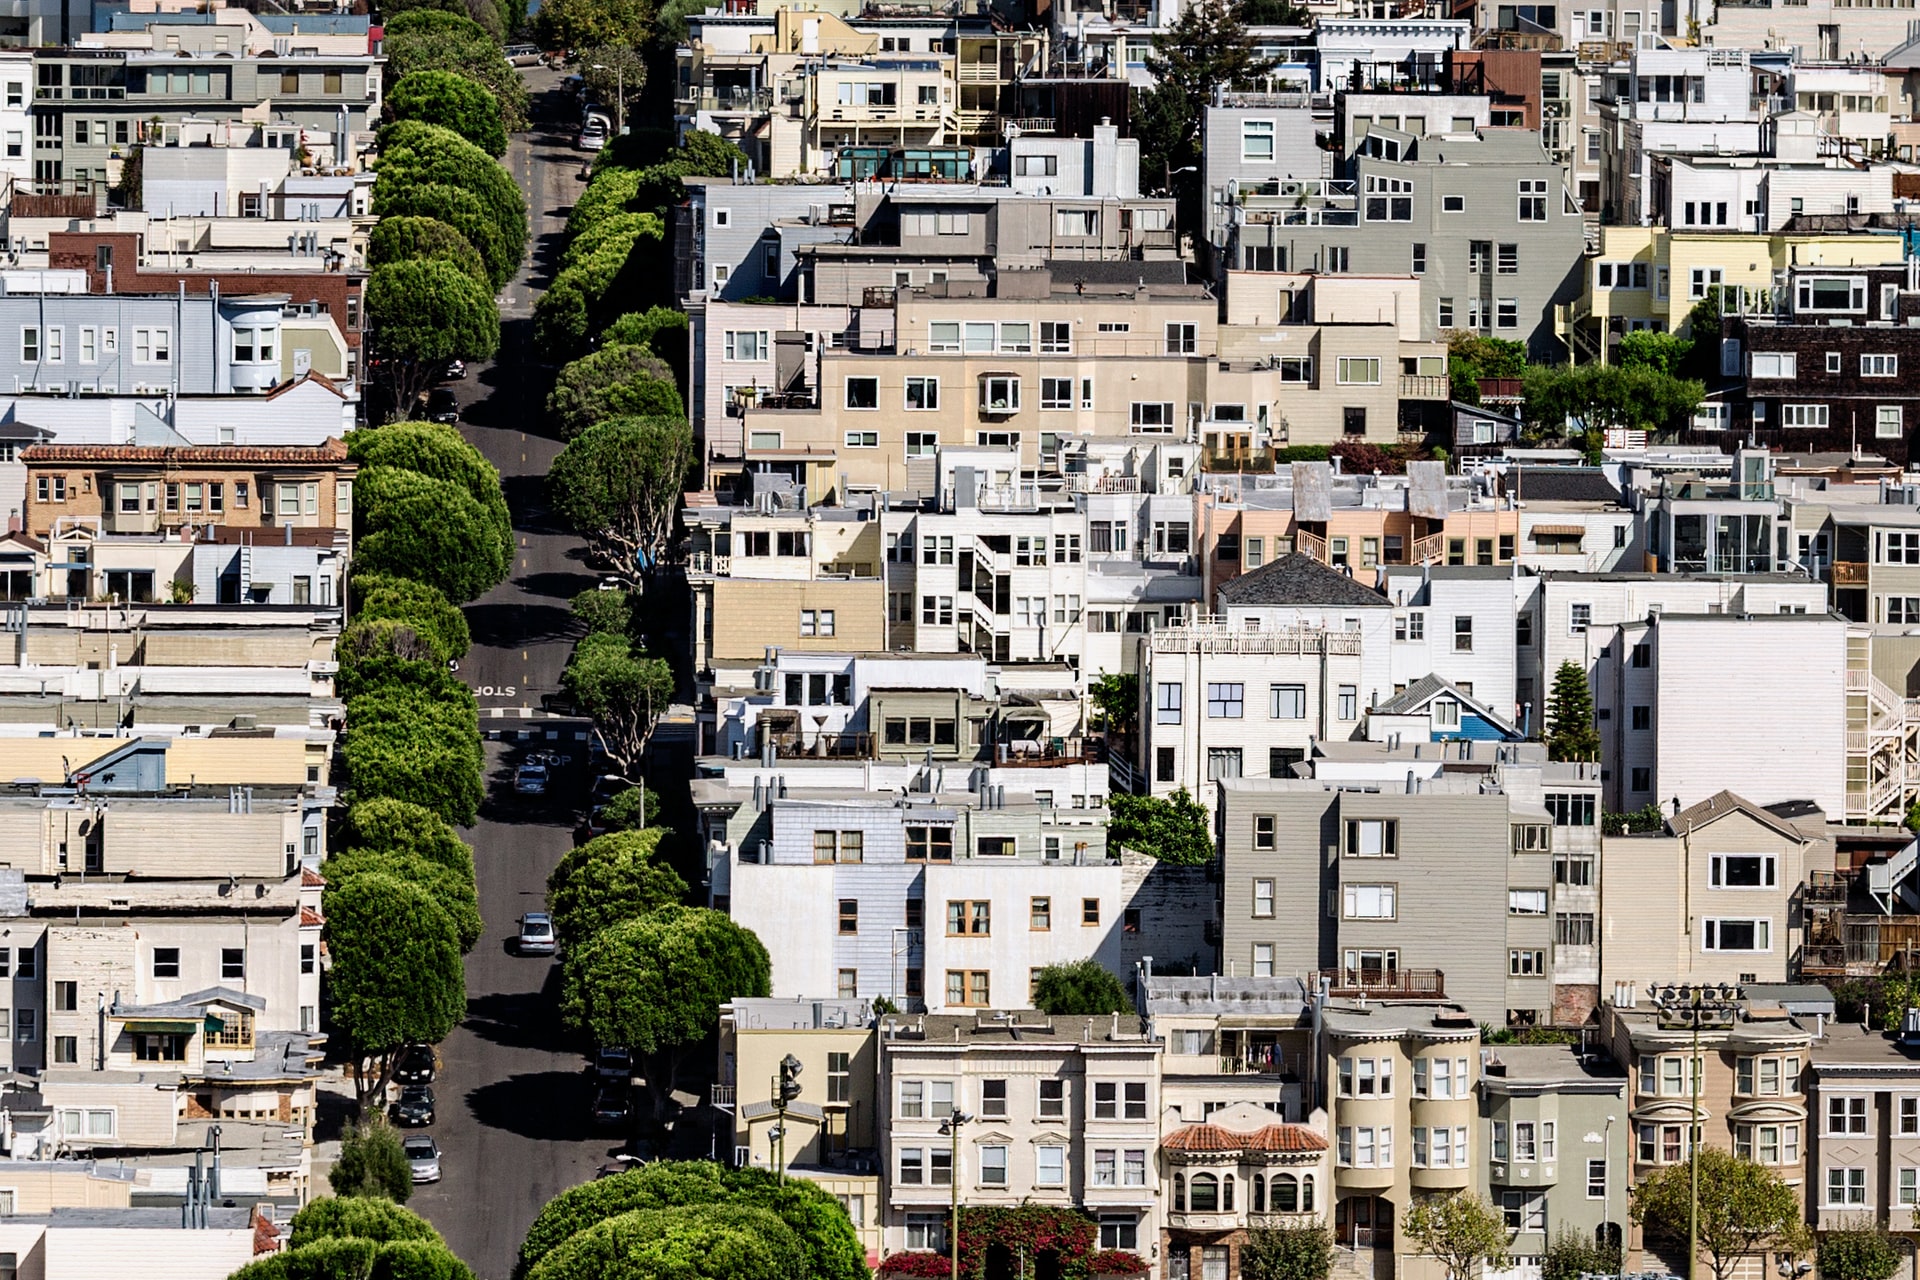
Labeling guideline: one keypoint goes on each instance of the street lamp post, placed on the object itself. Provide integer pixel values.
(1689, 1006)
(786, 1087)
(619, 95)
(951, 1128)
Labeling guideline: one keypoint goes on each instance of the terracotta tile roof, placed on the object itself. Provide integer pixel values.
(1273, 1137)
(311, 375)
(311, 879)
(310, 919)
(333, 450)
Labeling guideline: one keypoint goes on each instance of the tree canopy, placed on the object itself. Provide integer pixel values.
(454, 892)
(1744, 1208)
(395, 826)
(1287, 1253)
(611, 878)
(420, 606)
(424, 312)
(461, 210)
(453, 101)
(381, 651)
(427, 40)
(371, 1169)
(1860, 1248)
(828, 1248)
(407, 236)
(656, 985)
(1597, 397)
(1460, 1231)
(417, 526)
(625, 692)
(356, 1217)
(438, 450)
(1207, 48)
(413, 152)
(615, 381)
(1080, 987)
(1571, 734)
(618, 485)
(582, 24)
(685, 1242)
(1172, 828)
(340, 1238)
(396, 977)
(420, 746)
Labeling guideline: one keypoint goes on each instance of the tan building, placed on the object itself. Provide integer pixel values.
(1709, 897)
(1239, 1170)
(1749, 1077)
(142, 489)
(1399, 1081)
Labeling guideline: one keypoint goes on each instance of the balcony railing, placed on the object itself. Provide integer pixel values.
(821, 746)
(722, 1098)
(1849, 573)
(729, 100)
(1047, 751)
(1425, 386)
(1419, 983)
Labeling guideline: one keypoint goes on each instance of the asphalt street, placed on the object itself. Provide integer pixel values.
(513, 1100)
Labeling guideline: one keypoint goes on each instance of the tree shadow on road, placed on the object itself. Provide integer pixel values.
(557, 586)
(527, 500)
(508, 625)
(551, 1106)
(521, 1019)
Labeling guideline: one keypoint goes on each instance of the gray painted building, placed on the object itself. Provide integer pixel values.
(1555, 1132)
(139, 343)
(1483, 219)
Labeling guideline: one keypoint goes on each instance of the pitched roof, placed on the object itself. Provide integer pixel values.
(1413, 700)
(1561, 484)
(311, 375)
(1273, 1137)
(1719, 805)
(333, 450)
(1297, 578)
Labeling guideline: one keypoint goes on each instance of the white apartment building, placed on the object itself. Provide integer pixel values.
(1455, 622)
(1671, 101)
(16, 115)
(1060, 1111)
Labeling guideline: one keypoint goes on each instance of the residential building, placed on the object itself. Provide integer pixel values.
(1232, 1041)
(1482, 218)
(1401, 1081)
(1422, 833)
(1283, 1172)
(16, 117)
(1064, 1111)
(1676, 101)
(1864, 1096)
(1736, 866)
(1750, 1079)
(938, 899)
(231, 30)
(70, 1243)
(1556, 1141)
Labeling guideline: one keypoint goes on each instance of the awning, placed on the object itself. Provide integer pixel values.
(1559, 530)
(166, 1025)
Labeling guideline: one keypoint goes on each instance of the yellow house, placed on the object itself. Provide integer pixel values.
(1651, 277)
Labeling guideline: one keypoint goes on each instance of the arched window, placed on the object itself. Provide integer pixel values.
(1259, 1193)
(1286, 1193)
(1226, 1192)
(1306, 1193)
(1204, 1195)
(1179, 1193)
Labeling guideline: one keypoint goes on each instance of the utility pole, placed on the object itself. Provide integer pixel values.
(1688, 1006)
(951, 1127)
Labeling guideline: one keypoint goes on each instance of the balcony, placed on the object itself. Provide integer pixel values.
(1849, 573)
(725, 101)
(798, 745)
(708, 564)
(1203, 1221)
(1034, 752)
(1420, 984)
(1036, 126)
(1425, 386)
(1238, 461)
(722, 1098)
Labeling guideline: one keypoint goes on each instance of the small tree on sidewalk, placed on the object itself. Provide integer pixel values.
(1460, 1231)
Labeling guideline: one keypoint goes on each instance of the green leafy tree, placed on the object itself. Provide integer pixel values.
(1116, 696)
(385, 651)
(418, 605)
(1172, 828)
(452, 101)
(619, 263)
(371, 1164)
(423, 313)
(356, 1259)
(1860, 1248)
(610, 192)
(613, 382)
(1206, 49)
(687, 1242)
(1664, 353)
(458, 209)
(426, 40)
(456, 893)
(1459, 1231)
(357, 1218)
(396, 977)
(604, 612)
(395, 826)
(586, 24)
(1081, 987)
(1472, 356)
(656, 985)
(416, 526)
(618, 485)
(1573, 1254)
(1287, 1253)
(1570, 731)
(661, 330)
(408, 744)
(1597, 397)
(412, 151)
(1745, 1208)
(609, 879)
(623, 691)
(611, 70)
(1648, 817)
(1274, 13)
(828, 1247)
(400, 238)
(631, 810)
(438, 450)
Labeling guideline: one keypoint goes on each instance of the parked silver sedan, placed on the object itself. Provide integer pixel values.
(423, 1157)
